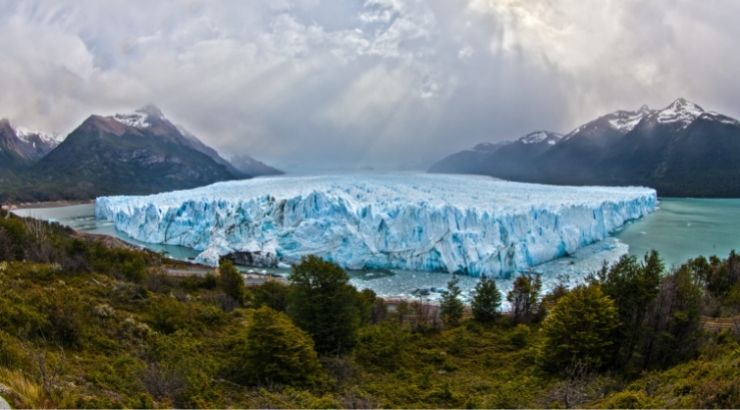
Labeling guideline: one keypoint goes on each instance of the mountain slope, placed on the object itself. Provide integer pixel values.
(19, 147)
(510, 160)
(135, 153)
(681, 150)
(251, 166)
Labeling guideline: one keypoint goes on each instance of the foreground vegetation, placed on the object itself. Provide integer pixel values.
(87, 324)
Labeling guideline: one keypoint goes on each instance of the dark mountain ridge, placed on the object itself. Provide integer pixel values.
(681, 150)
(136, 153)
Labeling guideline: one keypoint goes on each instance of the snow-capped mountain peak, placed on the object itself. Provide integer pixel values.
(622, 121)
(135, 119)
(680, 111)
(24, 143)
(625, 121)
(140, 118)
(540, 136)
(29, 136)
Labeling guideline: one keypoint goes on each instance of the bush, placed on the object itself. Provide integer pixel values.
(231, 282)
(519, 336)
(177, 369)
(168, 315)
(382, 345)
(11, 351)
(20, 319)
(523, 297)
(65, 321)
(275, 351)
(272, 294)
(579, 331)
(627, 400)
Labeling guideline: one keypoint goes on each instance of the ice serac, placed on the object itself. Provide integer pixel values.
(426, 222)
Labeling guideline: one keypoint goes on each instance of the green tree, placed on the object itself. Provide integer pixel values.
(633, 287)
(579, 331)
(486, 300)
(275, 351)
(272, 294)
(721, 279)
(451, 308)
(551, 298)
(523, 297)
(323, 303)
(673, 328)
(230, 281)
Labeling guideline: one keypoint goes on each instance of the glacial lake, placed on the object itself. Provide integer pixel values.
(685, 228)
(680, 229)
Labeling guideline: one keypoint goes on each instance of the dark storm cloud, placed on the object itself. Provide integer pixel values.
(353, 83)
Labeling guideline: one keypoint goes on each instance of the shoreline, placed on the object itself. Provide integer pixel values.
(46, 204)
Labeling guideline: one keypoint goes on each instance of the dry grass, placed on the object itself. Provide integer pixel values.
(25, 392)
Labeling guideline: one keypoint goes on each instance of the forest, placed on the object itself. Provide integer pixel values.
(87, 322)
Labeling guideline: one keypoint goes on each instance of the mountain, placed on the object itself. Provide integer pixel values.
(251, 166)
(134, 153)
(20, 147)
(509, 159)
(681, 150)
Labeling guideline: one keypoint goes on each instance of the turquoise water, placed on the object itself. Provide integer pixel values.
(685, 228)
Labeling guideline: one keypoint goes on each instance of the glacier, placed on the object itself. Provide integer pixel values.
(463, 224)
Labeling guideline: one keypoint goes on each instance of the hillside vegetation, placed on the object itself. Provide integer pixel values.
(87, 324)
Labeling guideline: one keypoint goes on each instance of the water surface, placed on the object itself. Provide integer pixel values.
(685, 228)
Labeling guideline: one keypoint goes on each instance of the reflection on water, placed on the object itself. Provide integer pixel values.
(681, 229)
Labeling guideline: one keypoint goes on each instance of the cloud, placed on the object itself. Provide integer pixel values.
(388, 83)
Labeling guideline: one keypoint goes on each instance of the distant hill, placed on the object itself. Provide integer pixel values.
(251, 166)
(681, 150)
(134, 153)
(510, 159)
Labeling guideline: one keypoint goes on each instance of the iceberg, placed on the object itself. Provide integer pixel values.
(463, 224)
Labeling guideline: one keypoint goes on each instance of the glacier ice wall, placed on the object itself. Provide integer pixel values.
(425, 222)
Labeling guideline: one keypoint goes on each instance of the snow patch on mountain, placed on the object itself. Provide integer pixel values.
(680, 111)
(452, 223)
(626, 121)
(135, 119)
(540, 136)
(140, 118)
(715, 116)
(28, 136)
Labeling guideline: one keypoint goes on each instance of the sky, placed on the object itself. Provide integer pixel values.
(389, 84)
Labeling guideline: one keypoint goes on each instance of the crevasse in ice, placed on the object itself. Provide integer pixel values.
(426, 222)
